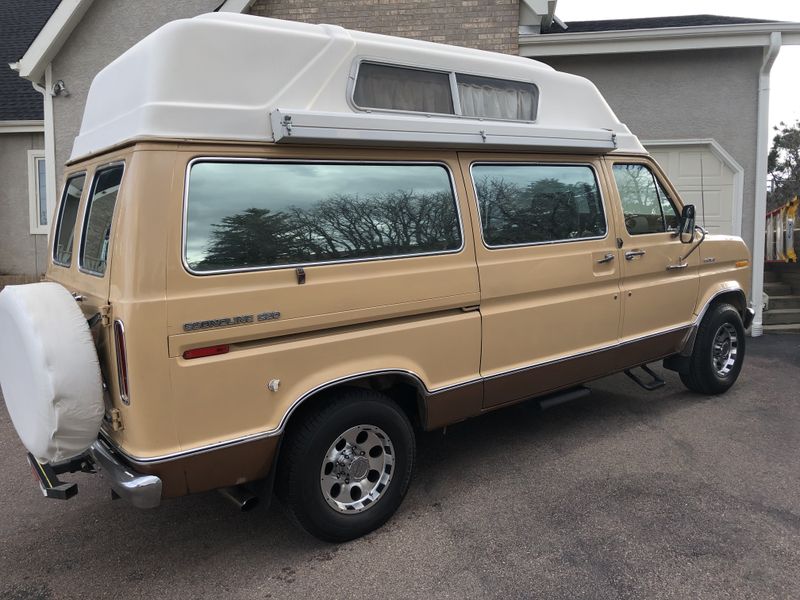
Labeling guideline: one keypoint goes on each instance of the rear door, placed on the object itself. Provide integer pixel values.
(548, 268)
(81, 248)
(659, 287)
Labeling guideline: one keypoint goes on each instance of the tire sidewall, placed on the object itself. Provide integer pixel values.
(323, 520)
(704, 355)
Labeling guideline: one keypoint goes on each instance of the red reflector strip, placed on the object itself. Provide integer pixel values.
(207, 351)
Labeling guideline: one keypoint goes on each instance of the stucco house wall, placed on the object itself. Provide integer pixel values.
(107, 29)
(21, 253)
(684, 95)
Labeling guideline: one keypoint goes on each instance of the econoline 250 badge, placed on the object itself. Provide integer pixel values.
(229, 321)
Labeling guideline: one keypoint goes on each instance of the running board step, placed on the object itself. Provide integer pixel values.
(654, 383)
(562, 397)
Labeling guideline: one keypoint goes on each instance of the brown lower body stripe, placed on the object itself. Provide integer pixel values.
(214, 469)
(466, 401)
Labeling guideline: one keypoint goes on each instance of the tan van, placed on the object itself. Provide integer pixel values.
(285, 268)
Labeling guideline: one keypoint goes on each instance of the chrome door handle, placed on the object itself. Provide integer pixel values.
(680, 266)
(607, 258)
(631, 254)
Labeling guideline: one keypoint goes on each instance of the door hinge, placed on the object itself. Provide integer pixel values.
(105, 315)
(116, 420)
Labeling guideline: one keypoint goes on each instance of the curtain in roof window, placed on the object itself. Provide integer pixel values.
(398, 88)
(496, 98)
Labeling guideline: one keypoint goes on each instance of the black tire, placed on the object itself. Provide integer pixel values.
(702, 376)
(303, 456)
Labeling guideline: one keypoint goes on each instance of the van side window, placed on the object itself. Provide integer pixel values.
(532, 204)
(65, 230)
(251, 215)
(645, 203)
(97, 224)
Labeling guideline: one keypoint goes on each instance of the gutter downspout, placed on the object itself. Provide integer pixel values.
(49, 145)
(760, 209)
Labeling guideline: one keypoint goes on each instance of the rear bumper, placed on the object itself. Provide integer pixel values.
(142, 491)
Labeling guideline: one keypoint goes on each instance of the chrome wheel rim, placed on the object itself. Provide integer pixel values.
(725, 349)
(357, 469)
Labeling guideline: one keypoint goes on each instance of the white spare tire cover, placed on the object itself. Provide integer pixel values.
(49, 372)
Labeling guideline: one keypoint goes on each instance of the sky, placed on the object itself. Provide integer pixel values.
(784, 102)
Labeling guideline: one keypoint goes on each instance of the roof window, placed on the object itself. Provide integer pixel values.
(407, 89)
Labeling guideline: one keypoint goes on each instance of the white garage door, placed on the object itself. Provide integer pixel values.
(682, 164)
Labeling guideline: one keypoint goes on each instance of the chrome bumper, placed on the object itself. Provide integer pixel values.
(142, 491)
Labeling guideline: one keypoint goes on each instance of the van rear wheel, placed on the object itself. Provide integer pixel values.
(345, 468)
(718, 354)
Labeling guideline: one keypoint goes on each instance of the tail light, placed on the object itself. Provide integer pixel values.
(122, 360)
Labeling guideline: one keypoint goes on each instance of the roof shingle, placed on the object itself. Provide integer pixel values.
(20, 22)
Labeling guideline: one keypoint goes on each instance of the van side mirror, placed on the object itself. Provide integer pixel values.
(686, 229)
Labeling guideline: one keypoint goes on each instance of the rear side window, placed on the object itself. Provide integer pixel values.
(645, 204)
(65, 230)
(418, 90)
(497, 98)
(251, 215)
(533, 204)
(97, 224)
(400, 88)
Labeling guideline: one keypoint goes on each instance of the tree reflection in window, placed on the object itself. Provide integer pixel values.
(310, 213)
(645, 204)
(528, 204)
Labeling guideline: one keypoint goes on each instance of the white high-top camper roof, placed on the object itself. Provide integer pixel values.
(243, 78)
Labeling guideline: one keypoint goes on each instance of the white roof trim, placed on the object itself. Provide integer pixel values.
(304, 126)
(50, 39)
(21, 127)
(654, 40)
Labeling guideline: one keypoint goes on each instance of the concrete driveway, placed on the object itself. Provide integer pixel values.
(624, 494)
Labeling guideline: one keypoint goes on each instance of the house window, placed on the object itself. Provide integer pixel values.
(37, 192)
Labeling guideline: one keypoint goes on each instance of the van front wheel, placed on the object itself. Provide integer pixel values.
(718, 352)
(346, 467)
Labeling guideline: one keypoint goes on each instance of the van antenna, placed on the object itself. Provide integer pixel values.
(702, 193)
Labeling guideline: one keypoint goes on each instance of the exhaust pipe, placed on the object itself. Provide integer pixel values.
(240, 496)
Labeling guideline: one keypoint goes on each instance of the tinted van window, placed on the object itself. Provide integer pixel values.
(530, 204)
(65, 230)
(249, 215)
(645, 203)
(97, 224)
